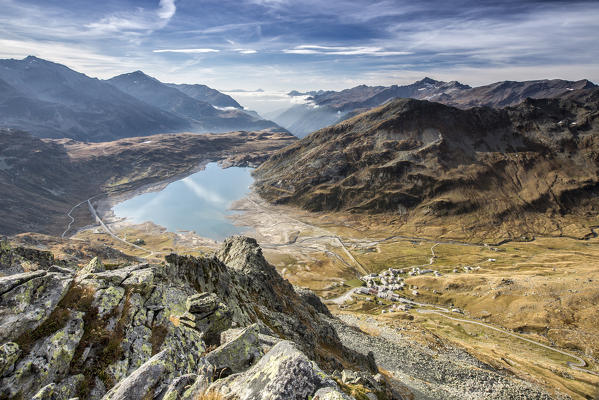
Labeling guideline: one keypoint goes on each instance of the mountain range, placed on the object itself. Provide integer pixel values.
(324, 108)
(423, 161)
(192, 107)
(50, 100)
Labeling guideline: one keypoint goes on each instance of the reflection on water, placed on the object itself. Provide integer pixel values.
(197, 203)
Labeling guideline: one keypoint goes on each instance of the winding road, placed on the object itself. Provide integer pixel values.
(103, 225)
(442, 311)
(72, 218)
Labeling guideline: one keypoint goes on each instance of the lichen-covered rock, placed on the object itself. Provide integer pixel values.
(93, 267)
(177, 387)
(239, 353)
(47, 361)
(48, 392)
(20, 259)
(129, 332)
(27, 299)
(330, 393)
(284, 373)
(207, 314)
(266, 338)
(143, 380)
(9, 353)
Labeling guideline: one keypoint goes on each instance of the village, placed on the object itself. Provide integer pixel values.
(385, 284)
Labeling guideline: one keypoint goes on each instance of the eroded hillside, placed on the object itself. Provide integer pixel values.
(511, 172)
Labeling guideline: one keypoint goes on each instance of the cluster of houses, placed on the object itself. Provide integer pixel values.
(383, 285)
(468, 268)
(417, 271)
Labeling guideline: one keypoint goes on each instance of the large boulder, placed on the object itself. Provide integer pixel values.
(284, 373)
(27, 299)
(93, 267)
(239, 353)
(143, 380)
(207, 314)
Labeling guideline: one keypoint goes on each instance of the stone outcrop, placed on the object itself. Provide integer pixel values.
(238, 353)
(284, 373)
(27, 299)
(160, 331)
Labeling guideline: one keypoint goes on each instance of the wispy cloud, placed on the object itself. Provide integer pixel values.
(281, 45)
(344, 51)
(246, 51)
(140, 20)
(187, 51)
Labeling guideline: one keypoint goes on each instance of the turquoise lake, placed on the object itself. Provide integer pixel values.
(200, 202)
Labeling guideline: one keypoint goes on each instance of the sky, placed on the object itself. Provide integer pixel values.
(279, 45)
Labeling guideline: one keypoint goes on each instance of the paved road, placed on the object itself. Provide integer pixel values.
(72, 218)
(103, 225)
(578, 365)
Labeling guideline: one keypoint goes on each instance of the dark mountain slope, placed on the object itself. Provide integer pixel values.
(427, 160)
(51, 100)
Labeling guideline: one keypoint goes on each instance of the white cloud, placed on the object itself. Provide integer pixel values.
(167, 9)
(246, 51)
(140, 20)
(344, 51)
(187, 51)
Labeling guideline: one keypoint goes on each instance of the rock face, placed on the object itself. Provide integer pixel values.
(284, 373)
(27, 299)
(142, 331)
(422, 161)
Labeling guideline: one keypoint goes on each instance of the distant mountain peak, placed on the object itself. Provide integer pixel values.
(427, 81)
(138, 74)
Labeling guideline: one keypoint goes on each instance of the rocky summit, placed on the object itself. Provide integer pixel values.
(226, 326)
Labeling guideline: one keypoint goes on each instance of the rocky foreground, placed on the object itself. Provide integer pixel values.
(227, 326)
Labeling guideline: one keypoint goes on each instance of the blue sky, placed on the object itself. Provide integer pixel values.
(280, 45)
